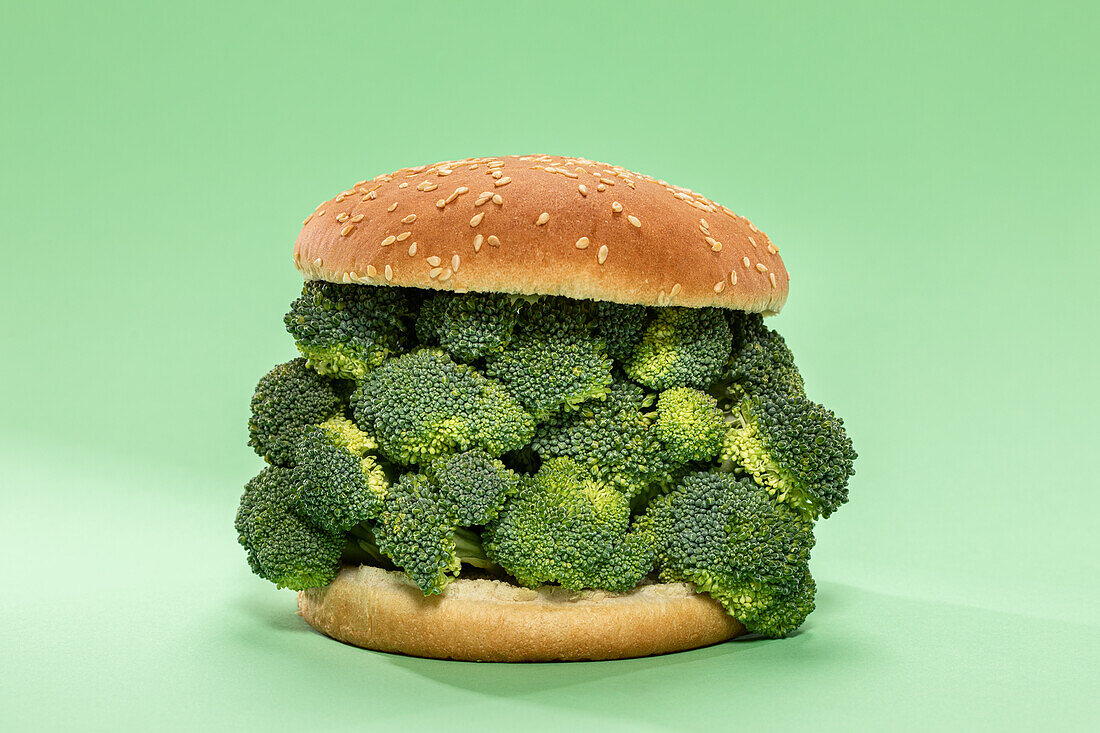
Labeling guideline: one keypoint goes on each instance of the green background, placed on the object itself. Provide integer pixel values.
(930, 173)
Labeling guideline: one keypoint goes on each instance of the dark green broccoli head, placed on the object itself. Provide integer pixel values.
(727, 537)
(472, 486)
(339, 485)
(347, 330)
(283, 546)
(761, 363)
(470, 325)
(288, 399)
(613, 438)
(562, 527)
(621, 327)
(554, 361)
(423, 405)
(416, 533)
(795, 448)
(689, 425)
(681, 347)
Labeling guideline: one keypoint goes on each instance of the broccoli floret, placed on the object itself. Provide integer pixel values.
(339, 485)
(423, 405)
(621, 327)
(472, 486)
(288, 399)
(347, 330)
(562, 527)
(682, 347)
(282, 546)
(470, 325)
(795, 448)
(612, 438)
(553, 361)
(728, 538)
(761, 363)
(689, 424)
(416, 533)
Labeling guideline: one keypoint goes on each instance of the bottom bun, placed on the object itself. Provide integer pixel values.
(493, 621)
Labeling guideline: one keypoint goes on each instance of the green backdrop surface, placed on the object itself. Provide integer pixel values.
(930, 172)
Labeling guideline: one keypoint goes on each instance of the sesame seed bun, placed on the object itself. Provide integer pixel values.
(547, 225)
(493, 621)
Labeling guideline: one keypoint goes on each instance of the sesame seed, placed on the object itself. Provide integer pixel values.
(704, 230)
(444, 172)
(582, 243)
(339, 198)
(357, 218)
(347, 230)
(392, 206)
(704, 223)
(503, 181)
(412, 249)
(389, 272)
(714, 243)
(772, 249)
(601, 255)
(434, 261)
(321, 212)
(477, 219)
(733, 277)
(403, 236)
(454, 262)
(461, 190)
(634, 220)
(496, 164)
(719, 286)
(675, 290)
(434, 272)
(371, 271)
(601, 187)
(477, 243)
(496, 174)
(752, 241)
(403, 185)
(583, 189)
(372, 195)
(607, 182)
(543, 218)
(445, 276)
(409, 219)
(342, 217)
(306, 220)
(746, 261)
(317, 262)
(498, 199)
(388, 241)
(616, 206)
(760, 266)
(427, 186)
(771, 276)
(493, 241)
(440, 204)
(482, 199)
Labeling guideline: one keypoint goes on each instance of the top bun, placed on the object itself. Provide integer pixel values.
(543, 225)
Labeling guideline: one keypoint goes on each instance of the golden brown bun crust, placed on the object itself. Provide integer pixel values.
(491, 621)
(512, 224)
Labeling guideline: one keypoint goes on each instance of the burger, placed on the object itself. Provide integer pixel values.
(537, 415)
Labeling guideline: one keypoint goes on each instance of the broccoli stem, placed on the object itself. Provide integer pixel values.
(362, 548)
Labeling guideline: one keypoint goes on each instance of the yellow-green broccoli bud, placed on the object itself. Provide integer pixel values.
(689, 424)
(339, 485)
(681, 347)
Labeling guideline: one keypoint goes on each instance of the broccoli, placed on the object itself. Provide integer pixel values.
(562, 527)
(682, 347)
(727, 537)
(282, 546)
(621, 327)
(339, 485)
(347, 330)
(554, 361)
(689, 425)
(761, 363)
(795, 448)
(472, 486)
(468, 326)
(417, 535)
(288, 399)
(423, 405)
(612, 438)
